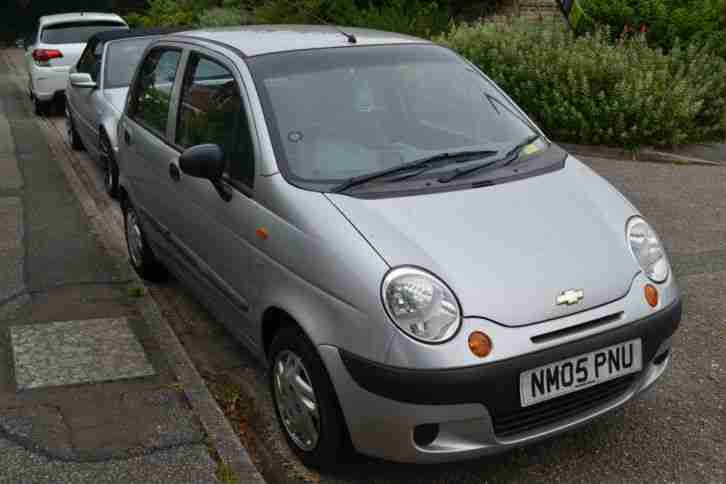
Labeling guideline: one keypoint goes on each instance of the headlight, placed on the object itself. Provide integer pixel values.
(647, 249)
(421, 305)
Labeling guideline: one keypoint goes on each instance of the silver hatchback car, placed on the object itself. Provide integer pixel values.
(428, 277)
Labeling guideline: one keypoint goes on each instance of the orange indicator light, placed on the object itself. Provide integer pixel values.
(651, 295)
(262, 233)
(480, 344)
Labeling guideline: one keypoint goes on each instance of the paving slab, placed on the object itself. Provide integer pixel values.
(70, 352)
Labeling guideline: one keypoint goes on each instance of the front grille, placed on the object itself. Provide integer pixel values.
(528, 419)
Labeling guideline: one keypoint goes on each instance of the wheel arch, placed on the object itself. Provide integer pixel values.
(274, 318)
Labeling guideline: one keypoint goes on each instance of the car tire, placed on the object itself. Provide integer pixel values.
(42, 108)
(74, 140)
(110, 167)
(143, 260)
(292, 349)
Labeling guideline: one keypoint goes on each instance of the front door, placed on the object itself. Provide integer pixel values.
(85, 102)
(217, 232)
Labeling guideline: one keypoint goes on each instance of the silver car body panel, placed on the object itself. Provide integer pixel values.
(255, 40)
(506, 250)
(510, 342)
(380, 427)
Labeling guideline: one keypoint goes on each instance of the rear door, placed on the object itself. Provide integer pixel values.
(146, 154)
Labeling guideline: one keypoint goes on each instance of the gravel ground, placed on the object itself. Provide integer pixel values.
(675, 433)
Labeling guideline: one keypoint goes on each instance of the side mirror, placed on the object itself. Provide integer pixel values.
(82, 80)
(203, 161)
(206, 161)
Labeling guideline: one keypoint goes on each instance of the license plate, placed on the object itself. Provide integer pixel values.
(579, 372)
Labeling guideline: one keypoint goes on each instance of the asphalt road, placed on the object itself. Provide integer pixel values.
(675, 433)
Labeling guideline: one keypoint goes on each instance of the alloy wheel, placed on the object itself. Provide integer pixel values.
(295, 399)
(134, 237)
(108, 174)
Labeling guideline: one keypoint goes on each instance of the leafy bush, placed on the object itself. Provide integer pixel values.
(223, 17)
(164, 13)
(205, 13)
(416, 17)
(702, 21)
(589, 90)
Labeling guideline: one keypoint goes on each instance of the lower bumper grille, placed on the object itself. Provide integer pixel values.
(531, 418)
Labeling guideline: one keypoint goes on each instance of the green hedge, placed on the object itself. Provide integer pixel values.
(423, 18)
(193, 13)
(589, 90)
(701, 21)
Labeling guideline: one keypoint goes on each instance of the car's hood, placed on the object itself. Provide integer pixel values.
(117, 97)
(509, 250)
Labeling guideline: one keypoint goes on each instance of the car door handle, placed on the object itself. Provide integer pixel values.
(174, 172)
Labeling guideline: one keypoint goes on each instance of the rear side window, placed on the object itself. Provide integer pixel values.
(151, 96)
(211, 111)
(121, 60)
(76, 32)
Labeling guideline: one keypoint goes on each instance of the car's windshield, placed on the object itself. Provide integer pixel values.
(121, 60)
(339, 113)
(76, 32)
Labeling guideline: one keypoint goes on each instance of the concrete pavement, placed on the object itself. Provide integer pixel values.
(86, 393)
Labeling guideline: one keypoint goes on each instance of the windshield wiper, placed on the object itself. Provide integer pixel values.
(509, 158)
(422, 165)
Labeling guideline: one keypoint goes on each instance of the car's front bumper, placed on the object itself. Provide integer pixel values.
(383, 404)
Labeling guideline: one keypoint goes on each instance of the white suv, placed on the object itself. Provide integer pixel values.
(56, 46)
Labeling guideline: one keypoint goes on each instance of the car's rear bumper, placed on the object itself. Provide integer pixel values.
(477, 409)
(48, 83)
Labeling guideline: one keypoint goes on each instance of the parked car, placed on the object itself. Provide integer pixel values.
(55, 47)
(424, 272)
(96, 93)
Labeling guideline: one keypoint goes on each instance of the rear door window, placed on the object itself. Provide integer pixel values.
(151, 96)
(76, 32)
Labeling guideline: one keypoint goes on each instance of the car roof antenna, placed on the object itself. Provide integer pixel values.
(351, 38)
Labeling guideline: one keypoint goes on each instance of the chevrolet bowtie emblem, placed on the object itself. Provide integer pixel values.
(570, 297)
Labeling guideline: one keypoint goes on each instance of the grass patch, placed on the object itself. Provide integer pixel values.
(136, 291)
(225, 475)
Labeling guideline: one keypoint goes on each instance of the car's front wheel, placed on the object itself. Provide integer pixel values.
(42, 108)
(305, 400)
(141, 256)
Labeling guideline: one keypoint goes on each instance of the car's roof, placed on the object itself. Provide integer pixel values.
(78, 17)
(119, 34)
(267, 39)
